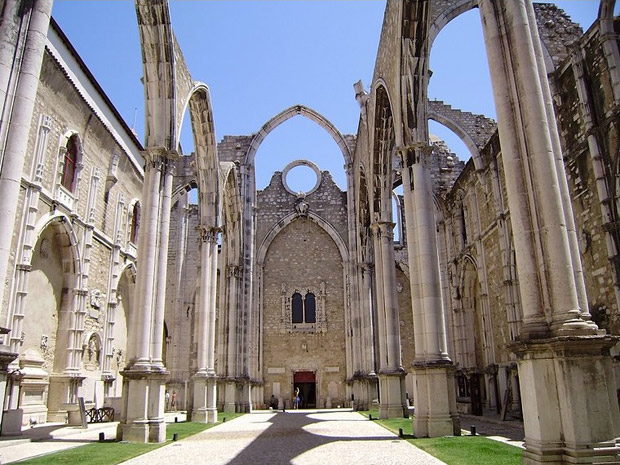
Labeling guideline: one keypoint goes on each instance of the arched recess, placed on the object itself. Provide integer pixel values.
(203, 129)
(284, 222)
(397, 214)
(459, 131)
(183, 190)
(117, 322)
(470, 305)
(68, 177)
(363, 220)
(383, 146)
(44, 320)
(288, 114)
(232, 318)
(443, 17)
(157, 39)
(449, 10)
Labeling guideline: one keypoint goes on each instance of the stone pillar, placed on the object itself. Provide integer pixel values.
(142, 418)
(205, 379)
(567, 385)
(162, 261)
(18, 106)
(138, 346)
(392, 402)
(434, 391)
(230, 393)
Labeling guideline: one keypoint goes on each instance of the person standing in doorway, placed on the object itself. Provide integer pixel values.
(296, 398)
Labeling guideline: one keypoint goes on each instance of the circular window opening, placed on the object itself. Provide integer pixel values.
(301, 177)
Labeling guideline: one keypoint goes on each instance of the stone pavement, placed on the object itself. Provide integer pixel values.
(54, 437)
(296, 437)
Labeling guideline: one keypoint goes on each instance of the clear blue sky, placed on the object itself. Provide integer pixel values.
(261, 57)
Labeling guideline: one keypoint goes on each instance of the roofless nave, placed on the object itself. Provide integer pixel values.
(501, 291)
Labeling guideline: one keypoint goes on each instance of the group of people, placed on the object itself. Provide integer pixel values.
(171, 401)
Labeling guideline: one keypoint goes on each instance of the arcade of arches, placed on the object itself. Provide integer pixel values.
(499, 291)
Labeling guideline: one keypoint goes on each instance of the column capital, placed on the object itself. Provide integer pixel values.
(158, 157)
(209, 233)
(383, 229)
(414, 153)
(233, 271)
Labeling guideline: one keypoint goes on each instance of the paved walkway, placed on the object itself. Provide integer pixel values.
(302, 437)
(293, 438)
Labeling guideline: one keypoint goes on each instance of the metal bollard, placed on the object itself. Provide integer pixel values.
(176, 419)
(101, 437)
(400, 432)
(473, 430)
(175, 436)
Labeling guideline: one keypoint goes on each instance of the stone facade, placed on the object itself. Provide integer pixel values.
(499, 292)
(71, 289)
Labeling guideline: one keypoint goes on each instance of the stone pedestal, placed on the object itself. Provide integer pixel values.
(205, 390)
(244, 400)
(392, 403)
(142, 419)
(230, 396)
(570, 408)
(435, 400)
(63, 391)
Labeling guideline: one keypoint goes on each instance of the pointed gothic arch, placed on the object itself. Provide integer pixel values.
(289, 113)
(287, 220)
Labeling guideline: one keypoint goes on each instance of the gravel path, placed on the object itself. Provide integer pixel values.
(292, 437)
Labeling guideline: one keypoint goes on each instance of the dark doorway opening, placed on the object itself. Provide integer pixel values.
(306, 382)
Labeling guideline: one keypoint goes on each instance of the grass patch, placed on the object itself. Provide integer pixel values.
(112, 452)
(470, 450)
(457, 450)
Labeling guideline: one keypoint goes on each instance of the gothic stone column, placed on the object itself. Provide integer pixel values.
(434, 392)
(142, 418)
(567, 386)
(205, 379)
(392, 403)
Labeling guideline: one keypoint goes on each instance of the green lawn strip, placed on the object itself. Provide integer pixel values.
(454, 450)
(470, 450)
(112, 452)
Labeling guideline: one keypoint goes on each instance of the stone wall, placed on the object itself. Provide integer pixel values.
(303, 258)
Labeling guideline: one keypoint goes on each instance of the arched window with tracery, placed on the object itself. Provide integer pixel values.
(297, 308)
(135, 223)
(70, 163)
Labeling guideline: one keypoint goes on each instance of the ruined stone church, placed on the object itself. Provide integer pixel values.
(499, 290)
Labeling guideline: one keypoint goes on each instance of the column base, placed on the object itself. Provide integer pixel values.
(363, 387)
(142, 417)
(230, 396)
(392, 402)
(205, 396)
(435, 400)
(570, 408)
(244, 400)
